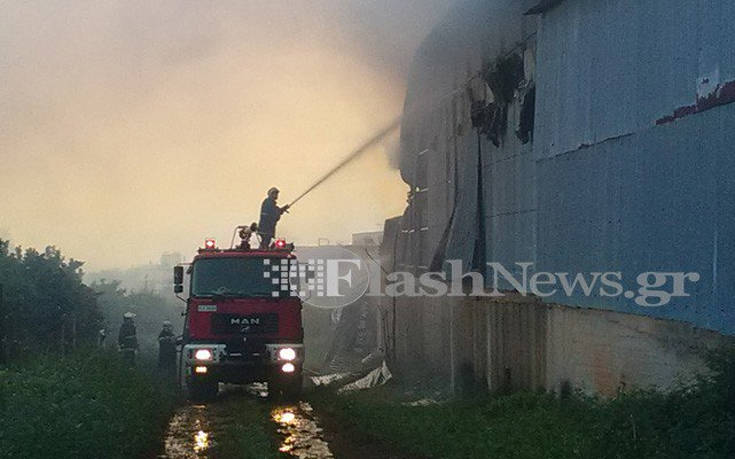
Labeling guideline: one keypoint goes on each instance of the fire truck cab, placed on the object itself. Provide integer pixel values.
(243, 321)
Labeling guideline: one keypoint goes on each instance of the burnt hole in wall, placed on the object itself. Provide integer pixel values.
(502, 76)
(489, 119)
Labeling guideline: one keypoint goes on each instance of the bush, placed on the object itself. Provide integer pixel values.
(697, 420)
(46, 305)
(86, 405)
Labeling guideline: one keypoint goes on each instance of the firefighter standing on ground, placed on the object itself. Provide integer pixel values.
(127, 340)
(167, 348)
(270, 213)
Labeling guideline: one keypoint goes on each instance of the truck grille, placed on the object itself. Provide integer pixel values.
(245, 324)
(250, 349)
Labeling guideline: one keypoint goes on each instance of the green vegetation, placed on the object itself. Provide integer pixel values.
(61, 396)
(694, 421)
(85, 405)
(249, 433)
(46, 306)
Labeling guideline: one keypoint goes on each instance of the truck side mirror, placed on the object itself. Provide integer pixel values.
(178, 279)
(178, 275)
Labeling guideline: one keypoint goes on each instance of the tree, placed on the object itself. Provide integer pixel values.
(48, 307)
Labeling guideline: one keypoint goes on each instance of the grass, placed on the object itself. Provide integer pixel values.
(86, 405)
(693, 421)
(250, 433)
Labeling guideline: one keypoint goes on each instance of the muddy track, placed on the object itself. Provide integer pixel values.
(194, 429)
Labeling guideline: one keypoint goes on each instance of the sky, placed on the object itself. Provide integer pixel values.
(131, 128)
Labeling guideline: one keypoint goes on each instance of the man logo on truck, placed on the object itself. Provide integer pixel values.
(244, 321)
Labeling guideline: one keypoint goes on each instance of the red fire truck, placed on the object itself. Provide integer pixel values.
(243, 322)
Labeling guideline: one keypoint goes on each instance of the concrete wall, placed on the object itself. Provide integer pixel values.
(521, 343)
(605, 352)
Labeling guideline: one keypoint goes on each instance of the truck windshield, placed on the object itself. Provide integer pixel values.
(234, 277)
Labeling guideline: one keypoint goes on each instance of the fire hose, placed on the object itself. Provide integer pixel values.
(377, 138)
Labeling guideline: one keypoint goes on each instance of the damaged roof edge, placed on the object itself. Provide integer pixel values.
(543, 6)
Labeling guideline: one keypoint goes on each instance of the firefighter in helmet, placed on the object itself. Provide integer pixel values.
(270, 213)
(167, 348)
(127, 340)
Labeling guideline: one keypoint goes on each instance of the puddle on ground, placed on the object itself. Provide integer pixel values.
(189, 433)
(302, 434)
(193, 430)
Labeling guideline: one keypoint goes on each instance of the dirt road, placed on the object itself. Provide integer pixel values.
(195, 429)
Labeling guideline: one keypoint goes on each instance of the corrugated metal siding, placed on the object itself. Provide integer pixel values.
(510, 200)
(659, 200)
(616, 192)
(464, 229)
(609, 68)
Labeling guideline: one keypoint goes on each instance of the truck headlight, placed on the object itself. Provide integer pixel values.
(203, 354)
(288, 368)
(287, 353)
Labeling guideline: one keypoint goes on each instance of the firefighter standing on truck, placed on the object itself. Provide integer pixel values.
(270, 213)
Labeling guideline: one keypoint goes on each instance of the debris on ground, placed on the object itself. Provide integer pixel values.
(326, 380)
(376, 377)
(421, 402)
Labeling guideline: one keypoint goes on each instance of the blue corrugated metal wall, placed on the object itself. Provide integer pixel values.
(615, 191)
(612, 67)
(602, 187)
(661, 200)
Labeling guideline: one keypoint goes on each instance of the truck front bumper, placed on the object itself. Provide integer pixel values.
(239, 367)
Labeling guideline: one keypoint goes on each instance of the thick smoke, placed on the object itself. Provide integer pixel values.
(133, 127)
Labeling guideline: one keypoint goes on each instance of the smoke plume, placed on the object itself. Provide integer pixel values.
(128, 128)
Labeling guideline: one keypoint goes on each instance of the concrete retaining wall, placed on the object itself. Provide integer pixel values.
(520, 343)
